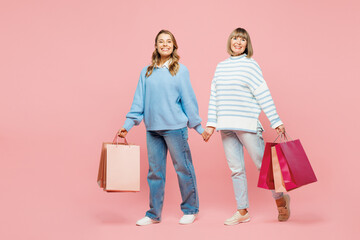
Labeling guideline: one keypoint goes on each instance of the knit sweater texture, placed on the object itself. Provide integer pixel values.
(238, 95)
(165, 102)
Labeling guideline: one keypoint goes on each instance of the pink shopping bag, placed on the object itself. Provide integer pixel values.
(119, 169)
(285, 171)
(266, 177)
(295, 165)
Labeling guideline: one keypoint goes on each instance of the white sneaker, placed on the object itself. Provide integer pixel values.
(237, 218)
(146, 221)
(187, 219)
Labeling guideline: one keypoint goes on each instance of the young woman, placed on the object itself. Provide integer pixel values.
(164, 98)
(238, 94)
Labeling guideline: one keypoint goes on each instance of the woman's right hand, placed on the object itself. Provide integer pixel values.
(207, 133)
(122, 133)
(280, 129)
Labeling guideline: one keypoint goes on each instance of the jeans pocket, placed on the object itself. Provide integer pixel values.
(259, 131)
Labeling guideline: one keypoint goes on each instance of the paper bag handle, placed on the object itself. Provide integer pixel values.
(283, 136)
(115, 141)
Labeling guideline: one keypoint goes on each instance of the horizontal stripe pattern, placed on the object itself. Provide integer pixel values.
(238, 90)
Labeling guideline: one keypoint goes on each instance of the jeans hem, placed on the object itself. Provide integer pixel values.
(149, 215)
(245, 207)
(190, 213)
(276, 198)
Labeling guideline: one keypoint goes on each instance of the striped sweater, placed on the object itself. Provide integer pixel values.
(238, 94)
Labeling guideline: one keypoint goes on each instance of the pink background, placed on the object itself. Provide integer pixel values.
(68, 72)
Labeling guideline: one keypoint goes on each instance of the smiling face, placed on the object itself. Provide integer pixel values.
(164, 45)
(238, 45)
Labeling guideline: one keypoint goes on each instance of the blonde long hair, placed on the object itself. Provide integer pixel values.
(155, 59)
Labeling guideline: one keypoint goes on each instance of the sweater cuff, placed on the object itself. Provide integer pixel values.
(199, 129)
(211, 124)
(276, 124)
(128, 124)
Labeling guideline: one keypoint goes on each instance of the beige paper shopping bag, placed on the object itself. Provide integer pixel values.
(119, 168)
(278, 178)
(102, 167)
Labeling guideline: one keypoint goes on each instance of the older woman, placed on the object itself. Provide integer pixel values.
(238, 94)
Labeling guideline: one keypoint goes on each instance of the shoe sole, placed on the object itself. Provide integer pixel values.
(146, 224)
(186, 223)
(235, 223)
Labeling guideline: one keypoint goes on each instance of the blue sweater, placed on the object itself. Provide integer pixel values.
(165, 102)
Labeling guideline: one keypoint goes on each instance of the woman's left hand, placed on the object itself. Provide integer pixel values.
(280, 129)
(207, 133)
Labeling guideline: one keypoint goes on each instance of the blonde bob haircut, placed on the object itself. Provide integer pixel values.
(240, 32)
(155, 59)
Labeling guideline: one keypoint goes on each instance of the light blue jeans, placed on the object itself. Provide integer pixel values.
(233, 142)
(158, 143)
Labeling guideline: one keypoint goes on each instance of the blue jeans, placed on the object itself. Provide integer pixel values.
(158, 143)
(233, 142)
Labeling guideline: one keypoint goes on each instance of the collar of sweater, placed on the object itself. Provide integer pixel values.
(238, 57)
(165, 65)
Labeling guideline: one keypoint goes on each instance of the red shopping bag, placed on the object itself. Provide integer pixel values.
(266, 177)
(285, 171)
(295, 166)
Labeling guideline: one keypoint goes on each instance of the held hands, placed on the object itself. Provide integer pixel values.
(122, 133)
(280, 129)
(207, 133)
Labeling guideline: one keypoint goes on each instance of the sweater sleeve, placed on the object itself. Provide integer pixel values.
(263, 97)
(189, 103)
(136, 113)
(212, 112)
